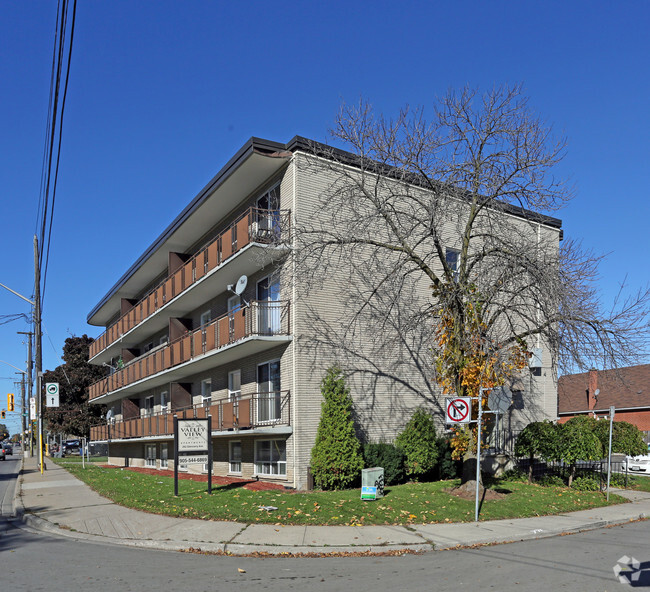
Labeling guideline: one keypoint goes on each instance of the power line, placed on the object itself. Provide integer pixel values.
(54, 132)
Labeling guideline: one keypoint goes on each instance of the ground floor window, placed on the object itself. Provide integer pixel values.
(235, 457)
(150, 455)
(164, 456)
(271, 457)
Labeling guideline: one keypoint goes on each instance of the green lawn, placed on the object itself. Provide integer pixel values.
(413, 503)
(76, 460)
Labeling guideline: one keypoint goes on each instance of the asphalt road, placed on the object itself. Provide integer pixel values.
(8, 474)
(32, 561)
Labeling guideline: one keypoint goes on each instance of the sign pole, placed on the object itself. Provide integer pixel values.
(478, 452)
(176, 455)
(210, 454)
(609, 454)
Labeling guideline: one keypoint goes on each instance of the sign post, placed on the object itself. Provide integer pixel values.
(612, 411)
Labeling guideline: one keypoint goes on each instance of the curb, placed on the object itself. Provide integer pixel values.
(243, 550)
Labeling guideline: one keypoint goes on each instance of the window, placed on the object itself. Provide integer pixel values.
(234, 305)
(147, 348)
(206, 317)
(164, 455)
(148, 405)
(163, 340)
(150, 455)
(269, 309)
(206, 392)
(267, 224)
(452, 258)
(271, 457)
(268, 397)
(234, 385)
(164, 402)
(235, 457)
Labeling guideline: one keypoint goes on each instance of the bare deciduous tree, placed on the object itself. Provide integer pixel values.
(447, 213)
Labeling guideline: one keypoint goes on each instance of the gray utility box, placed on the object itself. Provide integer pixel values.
(373, 477)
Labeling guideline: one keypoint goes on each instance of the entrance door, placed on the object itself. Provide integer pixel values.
(268, 385)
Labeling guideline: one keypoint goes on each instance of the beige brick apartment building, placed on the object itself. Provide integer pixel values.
(213, 318)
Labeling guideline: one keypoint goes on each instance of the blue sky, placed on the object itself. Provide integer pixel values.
(163, 93)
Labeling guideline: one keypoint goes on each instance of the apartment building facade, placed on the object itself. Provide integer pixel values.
(212, 320)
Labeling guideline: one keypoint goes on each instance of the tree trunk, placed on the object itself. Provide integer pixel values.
(469, 469)
(531, 464)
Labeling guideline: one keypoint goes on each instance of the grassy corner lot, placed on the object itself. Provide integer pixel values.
(413, 503)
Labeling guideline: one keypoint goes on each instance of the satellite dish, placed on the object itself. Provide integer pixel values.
(500, 399)
(241, 284)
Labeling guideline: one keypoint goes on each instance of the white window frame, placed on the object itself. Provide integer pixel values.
(206, 317)
(455, 267)
(164, 455)
(206, 400)
(164, 402)
(234, 394)
(148, 405)
(261, 466)
(260, 391)
(150, 459)
(234, 463)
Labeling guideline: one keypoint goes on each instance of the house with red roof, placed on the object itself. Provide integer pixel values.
(594, 392)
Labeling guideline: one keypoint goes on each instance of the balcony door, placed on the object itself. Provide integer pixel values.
(268, 297)
(268, 387)
(268, 215)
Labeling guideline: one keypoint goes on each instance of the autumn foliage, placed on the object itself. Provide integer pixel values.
(468, 359)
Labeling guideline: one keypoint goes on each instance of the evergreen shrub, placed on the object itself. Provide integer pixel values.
(420, 444)
(388, 456)
(336, 459)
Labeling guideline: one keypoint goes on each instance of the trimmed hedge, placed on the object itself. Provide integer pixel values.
(388, 456)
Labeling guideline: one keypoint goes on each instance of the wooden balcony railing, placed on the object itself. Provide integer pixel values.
(253, 226)
(258, 318)
(246, 412)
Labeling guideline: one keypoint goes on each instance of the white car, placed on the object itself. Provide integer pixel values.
(639, 463)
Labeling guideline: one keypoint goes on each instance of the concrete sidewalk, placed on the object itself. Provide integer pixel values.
(58, 503)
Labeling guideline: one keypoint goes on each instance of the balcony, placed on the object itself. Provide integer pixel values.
(259, 321)
(253, 227)
(259, 410)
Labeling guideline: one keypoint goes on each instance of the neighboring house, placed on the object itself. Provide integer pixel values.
(594, 392)
(211, 320)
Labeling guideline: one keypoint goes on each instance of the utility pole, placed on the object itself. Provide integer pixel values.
(29, 389)
(22, 410)
(39, 358)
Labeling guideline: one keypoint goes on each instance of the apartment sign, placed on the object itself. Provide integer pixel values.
(193, 435)
(192, 445)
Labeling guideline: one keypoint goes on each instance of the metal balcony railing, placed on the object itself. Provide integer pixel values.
(245, 412)
(253, 226)
(260, 318)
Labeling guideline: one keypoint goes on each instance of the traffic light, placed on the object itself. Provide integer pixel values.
(10, 402)
(3, 414)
